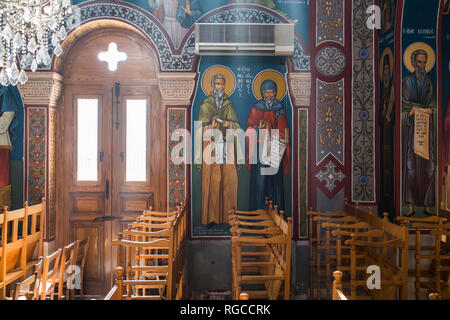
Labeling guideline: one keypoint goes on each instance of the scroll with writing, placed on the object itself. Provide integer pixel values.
(421, 133)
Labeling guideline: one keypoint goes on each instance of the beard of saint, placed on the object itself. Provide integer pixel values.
(218, 96)
(420, 75)
(269, 102)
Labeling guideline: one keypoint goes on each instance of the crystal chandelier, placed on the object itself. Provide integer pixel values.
(29, 29)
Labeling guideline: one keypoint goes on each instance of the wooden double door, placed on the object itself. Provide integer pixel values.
(111, 159)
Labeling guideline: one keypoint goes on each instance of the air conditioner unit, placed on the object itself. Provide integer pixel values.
(244, 39)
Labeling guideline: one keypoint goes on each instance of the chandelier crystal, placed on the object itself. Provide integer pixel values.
(29, 31)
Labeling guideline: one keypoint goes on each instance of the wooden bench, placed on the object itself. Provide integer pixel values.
(18, 246)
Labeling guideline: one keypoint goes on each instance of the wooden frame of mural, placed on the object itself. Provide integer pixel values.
(414, 37)
(443, 192)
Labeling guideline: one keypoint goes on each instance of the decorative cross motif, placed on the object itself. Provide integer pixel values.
(112, 56)
(330, 176)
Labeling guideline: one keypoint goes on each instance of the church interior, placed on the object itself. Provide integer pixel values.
(224, 150)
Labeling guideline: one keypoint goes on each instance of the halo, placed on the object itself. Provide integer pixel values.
(273, 75)
(230, 80)
(415, 46)
(388, 52)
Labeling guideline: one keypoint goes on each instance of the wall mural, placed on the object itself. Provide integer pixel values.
(445, 60)
(419, 110)
(178, 16)
(247, 93)
(387, 110)
(11, 148)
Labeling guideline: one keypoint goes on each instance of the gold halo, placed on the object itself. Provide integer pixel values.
(388, 52)
(230, 80)
(415, 46)
(273, 75)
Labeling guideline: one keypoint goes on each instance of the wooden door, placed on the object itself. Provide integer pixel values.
(113, 155)
(102, 203)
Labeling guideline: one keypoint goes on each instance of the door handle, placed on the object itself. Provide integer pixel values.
(106, 218)
(107, 189)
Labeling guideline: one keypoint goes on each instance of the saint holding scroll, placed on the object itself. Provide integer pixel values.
(418, 112)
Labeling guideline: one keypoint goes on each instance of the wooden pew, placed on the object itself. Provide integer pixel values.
(16, 252)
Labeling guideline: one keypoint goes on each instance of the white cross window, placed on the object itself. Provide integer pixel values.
(112, 56)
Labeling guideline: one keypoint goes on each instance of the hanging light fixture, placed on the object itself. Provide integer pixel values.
(29, 29)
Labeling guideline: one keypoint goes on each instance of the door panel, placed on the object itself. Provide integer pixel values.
(94, 272)
(130, 198)
(85, 194)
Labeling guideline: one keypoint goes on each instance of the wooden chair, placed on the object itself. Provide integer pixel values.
(67, 260)
(442, 257)
(324, 246)
(267, 258)
(422, 226)
(27, 289)
(313, 240)
(337, 286)
(136, 287)
(80, 260)
(46, 285)
(383, 253)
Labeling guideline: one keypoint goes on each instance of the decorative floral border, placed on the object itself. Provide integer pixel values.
(363, 106)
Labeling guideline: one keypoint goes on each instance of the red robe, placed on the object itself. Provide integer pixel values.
(272, 123)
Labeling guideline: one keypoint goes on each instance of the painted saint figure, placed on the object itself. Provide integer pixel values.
(387, 15)
(219, 177)
(176, 16)
(268, 113)
(387, 121)
(8, 123)
(418, 172)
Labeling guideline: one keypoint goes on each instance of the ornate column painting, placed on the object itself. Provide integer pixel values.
(37, 145)
(176, 173)
(386, 109)
(363, 106)
(419, 113)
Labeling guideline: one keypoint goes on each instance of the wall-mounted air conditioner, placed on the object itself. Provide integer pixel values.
(244, 39)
